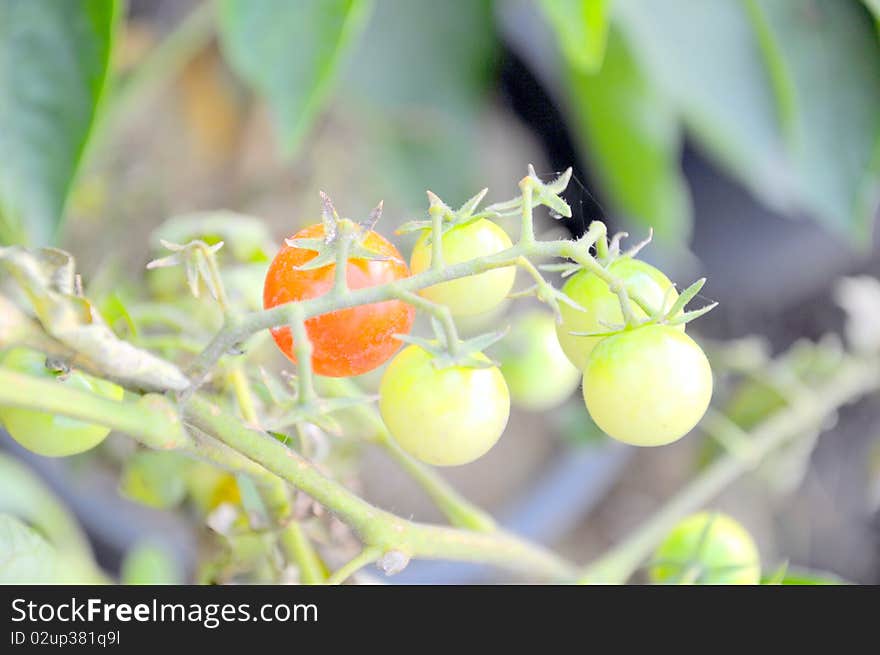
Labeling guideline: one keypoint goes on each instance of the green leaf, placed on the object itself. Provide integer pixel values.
(631, 134)
(26, 496)
(417, 88)
(54, 60)
(824, 60)
(581, 27)
(291, 53)
(25, 556)
(154, 478)
(706, 58)
(874, 7)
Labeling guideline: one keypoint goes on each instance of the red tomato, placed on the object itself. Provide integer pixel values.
(348, 341)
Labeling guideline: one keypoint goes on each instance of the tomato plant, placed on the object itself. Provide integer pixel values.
(473, 294)
(707, 548)
(602, 307)
(648, 386)
(50, 434)
(349, 341)
(443, 416)
(537, 372)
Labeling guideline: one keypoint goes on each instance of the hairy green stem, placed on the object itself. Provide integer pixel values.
(367, 556)
(375, 526)
(298, 548)
(155, 428)
(440, 312)
(456, 508)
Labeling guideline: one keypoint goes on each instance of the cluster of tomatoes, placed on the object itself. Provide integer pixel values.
(647, 385)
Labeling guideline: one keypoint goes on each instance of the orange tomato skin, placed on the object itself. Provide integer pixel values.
(348, 341)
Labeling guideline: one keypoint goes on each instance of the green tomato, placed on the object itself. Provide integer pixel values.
(707, 548)
(602, 307)
(537, 372)
(648, 386)
(474, 294)
(442, 416)
(45, 433)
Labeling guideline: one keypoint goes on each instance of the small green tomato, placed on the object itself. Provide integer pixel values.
(442, 416)
(707, 548)
(49, 434)
(602, 307)
(648, 386)
(538, 373)
(474, 294)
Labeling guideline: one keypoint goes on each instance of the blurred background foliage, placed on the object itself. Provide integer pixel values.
(745, 133)
(782, 94)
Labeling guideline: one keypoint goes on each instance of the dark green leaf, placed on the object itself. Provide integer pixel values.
(290, 52)
(53, 67)
(632, 136)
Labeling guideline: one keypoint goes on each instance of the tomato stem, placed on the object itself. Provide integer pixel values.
(367, 556)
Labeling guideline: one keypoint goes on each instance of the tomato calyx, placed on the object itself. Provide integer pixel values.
(448, 217)
(196, 258)
(541, 193)
(343, 239)
(290, 408)
(675, 315)
(467, 353)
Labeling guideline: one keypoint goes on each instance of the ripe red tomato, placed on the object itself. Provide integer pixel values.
(348, 341)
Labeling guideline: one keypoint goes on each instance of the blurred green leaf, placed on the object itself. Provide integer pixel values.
(25, 556)
(290, 52)
(824, 59)
(54, 60)
(581, 27)
(784, 94)
(154, 478)
(150, 564)
(633, 137)
(24, 495)
(874, 7)
(706, 59)
(417, 87)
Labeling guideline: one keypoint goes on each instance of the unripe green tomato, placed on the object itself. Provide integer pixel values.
(49, 434)
(707, 548)
(442, 416)
(648, 386)
(474, 294)
(537, 372)
(602, 307)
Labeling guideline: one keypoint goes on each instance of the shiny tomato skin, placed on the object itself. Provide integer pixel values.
(474, 294)
(54, 435)
(348, 341)
(648, 386)
(707, 548)
(602, 307)
(442, 416)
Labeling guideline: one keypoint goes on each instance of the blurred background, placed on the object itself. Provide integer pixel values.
(745, 133)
